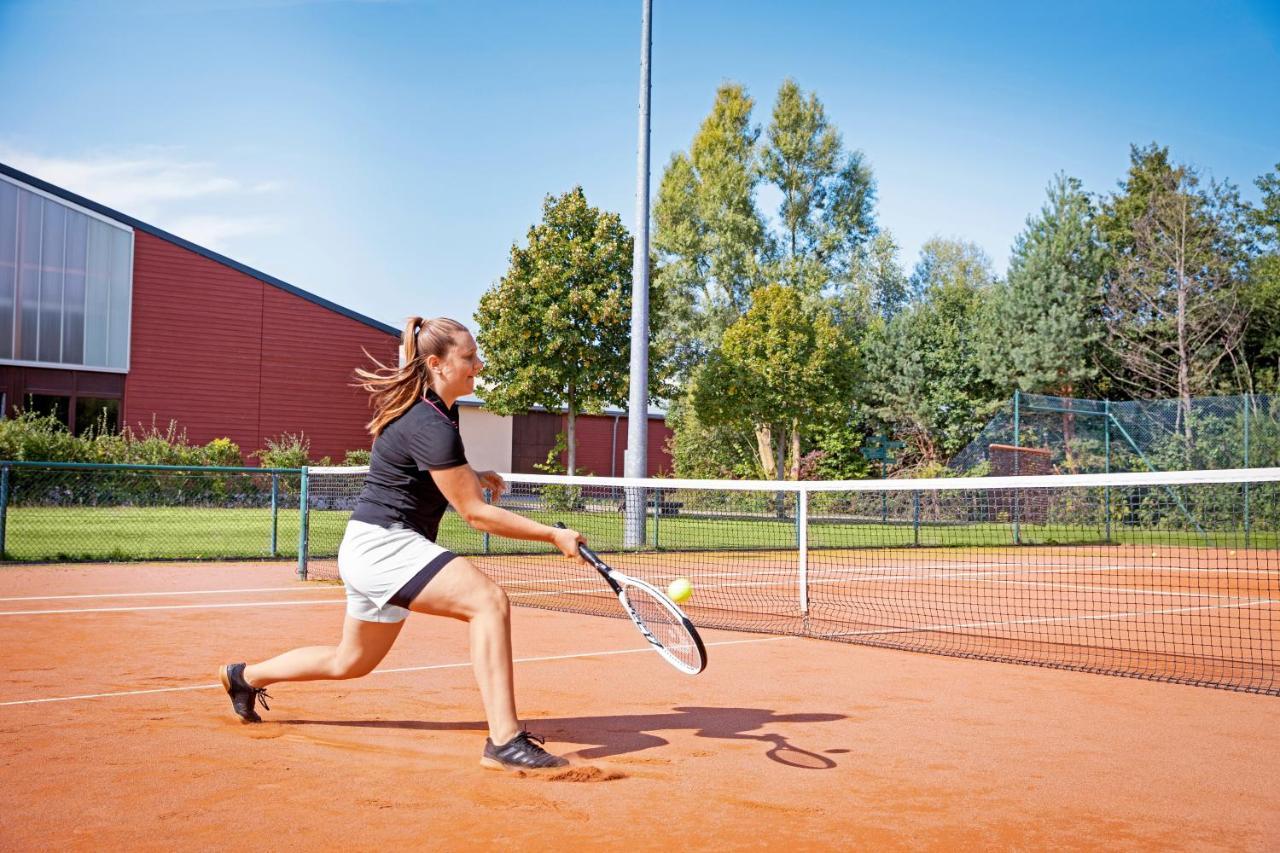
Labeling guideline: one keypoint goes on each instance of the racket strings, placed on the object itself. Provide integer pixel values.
(665, 628)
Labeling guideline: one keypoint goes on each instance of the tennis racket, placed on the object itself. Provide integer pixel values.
(661, 622)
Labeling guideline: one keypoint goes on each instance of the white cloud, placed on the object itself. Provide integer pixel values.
(186, 197)
(217, 232)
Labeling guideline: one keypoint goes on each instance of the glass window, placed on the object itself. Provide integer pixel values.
(100, 416)
(49, 404)
(49, 329)
(97, 289)
(73, 291)
(66, 283)
(8, 264)
(30, 212)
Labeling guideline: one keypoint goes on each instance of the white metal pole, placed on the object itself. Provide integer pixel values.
(802, 511)
(637, 461)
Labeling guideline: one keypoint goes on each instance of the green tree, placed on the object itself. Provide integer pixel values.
(709, 237)
(1262, 295)
(923, 378)
(879, 278)
(778, 371)
(828, 195)
(702, 451)
(555, 330)
(714, 248)
(1044, 322)
(1045, 317)
(1173, 303)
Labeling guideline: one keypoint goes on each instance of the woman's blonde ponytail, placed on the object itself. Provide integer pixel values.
(394, 390)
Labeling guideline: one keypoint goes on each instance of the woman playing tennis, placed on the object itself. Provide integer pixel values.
(389, 560)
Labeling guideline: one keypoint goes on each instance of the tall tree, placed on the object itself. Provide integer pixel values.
(923, 378)
(828, 195)
(1173, 304)
(881, 277)
(709, 236)
(555, 330)
(778, 371)
(715, 248)
(1262, 296)
(1045, 319)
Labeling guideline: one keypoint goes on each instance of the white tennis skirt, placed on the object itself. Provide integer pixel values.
(376, 562)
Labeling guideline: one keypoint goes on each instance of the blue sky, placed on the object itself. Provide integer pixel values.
(386, 155)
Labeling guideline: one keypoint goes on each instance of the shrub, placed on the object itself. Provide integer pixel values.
(223, 452)
(42, 438)
(288, 450)
(357, 457)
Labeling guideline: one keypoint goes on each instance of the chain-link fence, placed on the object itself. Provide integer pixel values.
(79, 511)
(1077, 436)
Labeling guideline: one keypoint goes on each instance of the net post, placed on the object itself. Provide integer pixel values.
(1017, 462)
(4, 508)
(802, 534)
(488, 498)
(303, 501)
(275, 513)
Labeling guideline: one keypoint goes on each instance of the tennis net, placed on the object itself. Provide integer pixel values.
(1171, 576)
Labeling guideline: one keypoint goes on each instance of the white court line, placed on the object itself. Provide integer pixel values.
(1047, 619)
(601, 588)
(301, 587)
(166, 607)
(384, 671)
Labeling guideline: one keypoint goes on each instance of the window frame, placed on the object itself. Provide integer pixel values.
(106, 220)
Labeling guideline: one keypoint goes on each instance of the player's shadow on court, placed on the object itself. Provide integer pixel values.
(624, 733)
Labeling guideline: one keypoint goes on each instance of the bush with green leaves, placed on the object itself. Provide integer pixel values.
(357, 457)
(559, 498)
(287, 450)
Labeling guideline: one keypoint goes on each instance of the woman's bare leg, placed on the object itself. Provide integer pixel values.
(363, 646)
(461, 591)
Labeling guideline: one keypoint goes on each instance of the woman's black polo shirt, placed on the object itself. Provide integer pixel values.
(399, 489)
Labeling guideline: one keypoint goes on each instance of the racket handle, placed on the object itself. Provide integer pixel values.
(587, 553)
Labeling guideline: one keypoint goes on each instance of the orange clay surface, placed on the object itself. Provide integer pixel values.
(783, 743)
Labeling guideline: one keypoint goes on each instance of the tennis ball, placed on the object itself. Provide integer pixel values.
(680, 589)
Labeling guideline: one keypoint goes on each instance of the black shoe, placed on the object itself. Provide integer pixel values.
(522, 752)
(242, 695)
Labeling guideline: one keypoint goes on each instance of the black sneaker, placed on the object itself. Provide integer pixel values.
(242, 695)
(522, 752)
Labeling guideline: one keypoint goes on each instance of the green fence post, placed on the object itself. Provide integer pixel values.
(275, 514)
(915, 517)
(4, 508)
(1248, 416)
(1106, 442)
(303, 500)
(657, 510)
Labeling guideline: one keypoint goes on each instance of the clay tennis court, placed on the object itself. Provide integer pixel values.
(116, 735)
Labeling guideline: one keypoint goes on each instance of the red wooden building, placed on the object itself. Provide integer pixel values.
(602, 442)
(104, 317)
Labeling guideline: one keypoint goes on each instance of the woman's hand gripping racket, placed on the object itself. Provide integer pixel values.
(661, 622)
